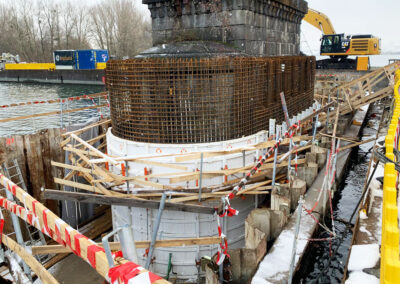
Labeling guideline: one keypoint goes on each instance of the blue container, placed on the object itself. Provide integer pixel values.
(101, 55)
(85, 59)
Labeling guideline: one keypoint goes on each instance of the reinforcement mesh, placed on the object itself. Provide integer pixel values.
(204, 100)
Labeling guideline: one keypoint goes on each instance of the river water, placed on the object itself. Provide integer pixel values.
(319, 268)
(20, 92)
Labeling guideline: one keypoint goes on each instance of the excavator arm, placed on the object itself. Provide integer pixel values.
(320, 21)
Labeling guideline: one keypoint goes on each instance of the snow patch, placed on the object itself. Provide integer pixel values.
(363, 256)
(363, 215)
(276, 264)
(359, 277)
(364, 230)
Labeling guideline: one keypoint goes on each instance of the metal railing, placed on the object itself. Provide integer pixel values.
(390, 253)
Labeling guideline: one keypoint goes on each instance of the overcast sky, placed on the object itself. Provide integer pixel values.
(378, 17)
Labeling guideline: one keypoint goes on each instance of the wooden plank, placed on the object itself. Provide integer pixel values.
(212, 174)
(92, 141)
(84, 129)
(123, 201)
(355, 144)
(76, 184)
(252, 187)
(49, 113)
(115, 246)
(159, 164)
(71, 167)
(90, 147)
(47, 168)
(30, 260)
(57, 154)
(261, 145)
(99, 171)
(35, 163)
(339, 137)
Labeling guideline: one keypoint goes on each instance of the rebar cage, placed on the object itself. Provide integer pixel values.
(181, 100)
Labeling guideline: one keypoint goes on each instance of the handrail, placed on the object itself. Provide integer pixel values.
(390, 253)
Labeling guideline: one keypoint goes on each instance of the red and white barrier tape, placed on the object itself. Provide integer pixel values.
(87, 97)
(37, 215)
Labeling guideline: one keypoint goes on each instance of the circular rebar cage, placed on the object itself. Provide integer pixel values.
(180, 100)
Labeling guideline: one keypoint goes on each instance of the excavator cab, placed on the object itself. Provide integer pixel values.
(333, 45)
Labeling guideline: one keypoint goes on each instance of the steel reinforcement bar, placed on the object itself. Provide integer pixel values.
(204, 100)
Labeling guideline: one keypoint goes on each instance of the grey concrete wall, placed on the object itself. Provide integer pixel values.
(258, 27)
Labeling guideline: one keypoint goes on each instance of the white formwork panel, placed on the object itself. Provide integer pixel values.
(183, 225)
(124, 148)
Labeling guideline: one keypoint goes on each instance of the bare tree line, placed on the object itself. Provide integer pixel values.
(34, 29)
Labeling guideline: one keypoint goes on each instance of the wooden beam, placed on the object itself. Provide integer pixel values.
(121, 201)
(49, 113)
(71, 167)
(115, 246)
(28, 258)
(355, 144)
(90, 147)
(80, 131)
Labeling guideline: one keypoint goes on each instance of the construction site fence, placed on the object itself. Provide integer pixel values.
(390, 253)
(189, 100)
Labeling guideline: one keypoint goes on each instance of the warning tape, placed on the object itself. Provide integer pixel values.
(87, 97)
(40, 217)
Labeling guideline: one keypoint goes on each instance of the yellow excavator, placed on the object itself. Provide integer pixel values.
(339, 46)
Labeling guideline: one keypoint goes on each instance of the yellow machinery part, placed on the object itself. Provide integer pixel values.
(362, 63)
(101, 65)
(320, 21)
(30, 66)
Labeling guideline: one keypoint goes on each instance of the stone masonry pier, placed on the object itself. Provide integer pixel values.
(257, 27)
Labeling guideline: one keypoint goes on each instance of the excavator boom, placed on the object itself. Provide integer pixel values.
(320, 21)
(339, 46)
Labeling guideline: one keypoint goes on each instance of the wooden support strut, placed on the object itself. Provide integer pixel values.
(121, 201)
(115, 246)
(59, 230)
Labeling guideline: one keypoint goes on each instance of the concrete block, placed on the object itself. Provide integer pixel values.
(308, 173)
(236, 263)
(249, 264)
(311, 157)
(278, 220)
(257, 227)
(297, 188)
(321, 155)
(280, 198)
